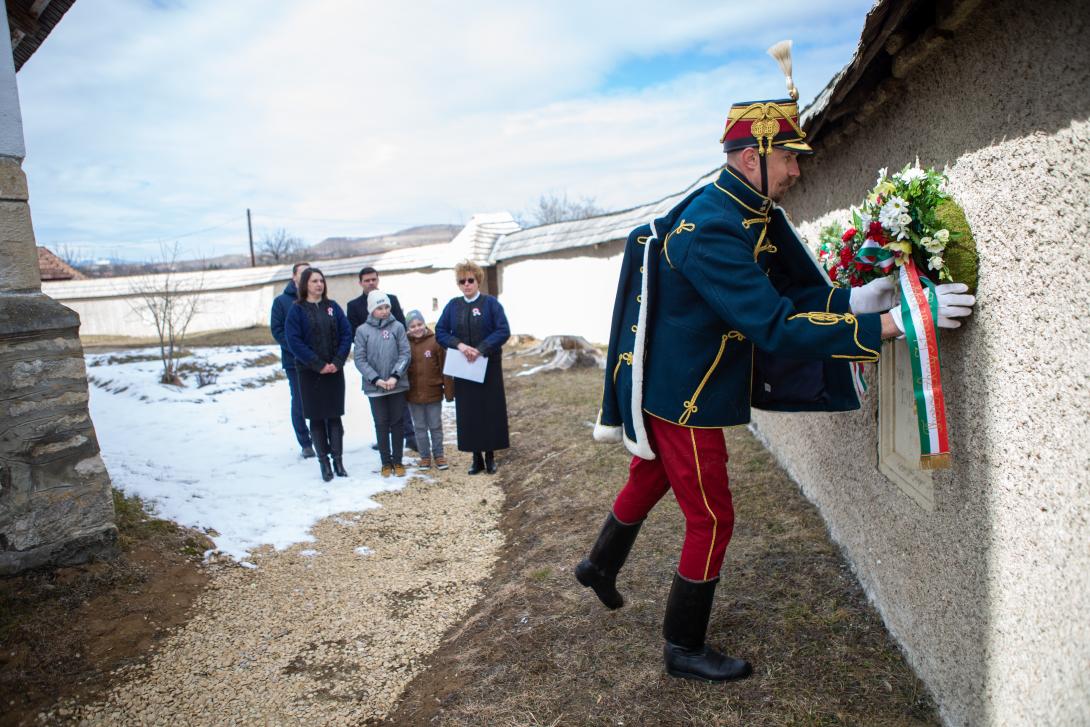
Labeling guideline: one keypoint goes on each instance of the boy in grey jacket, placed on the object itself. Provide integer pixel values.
(382, 356)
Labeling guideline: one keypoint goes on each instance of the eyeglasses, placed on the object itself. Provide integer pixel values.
(463, 281)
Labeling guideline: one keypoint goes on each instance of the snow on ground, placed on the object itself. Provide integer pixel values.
(223, 457)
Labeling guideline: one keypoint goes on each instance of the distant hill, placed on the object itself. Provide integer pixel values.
(332, 247)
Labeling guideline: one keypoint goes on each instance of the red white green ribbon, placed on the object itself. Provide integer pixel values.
(919, 314)
(871, 253)
(858, 381)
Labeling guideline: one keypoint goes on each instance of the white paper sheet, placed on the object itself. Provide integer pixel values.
(458, 366)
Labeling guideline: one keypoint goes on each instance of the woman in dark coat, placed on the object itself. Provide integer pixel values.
(475, 324)
(319, 337)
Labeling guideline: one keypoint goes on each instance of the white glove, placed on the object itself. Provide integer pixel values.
(952, 302)
(874, 297)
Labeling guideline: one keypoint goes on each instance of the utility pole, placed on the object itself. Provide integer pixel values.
(250, 228)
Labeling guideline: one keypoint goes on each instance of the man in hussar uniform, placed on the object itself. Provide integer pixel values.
(720, 308)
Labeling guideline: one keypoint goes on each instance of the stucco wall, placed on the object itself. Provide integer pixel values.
(570, 292)
(988, 593)
(427, 291)
(233, 299)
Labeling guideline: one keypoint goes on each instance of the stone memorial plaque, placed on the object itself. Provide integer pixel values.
(898, 433)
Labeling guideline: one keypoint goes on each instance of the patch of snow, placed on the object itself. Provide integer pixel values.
(223, 458)
(309, 553)
(363, 550)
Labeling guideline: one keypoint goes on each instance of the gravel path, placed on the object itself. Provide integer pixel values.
(326, 632)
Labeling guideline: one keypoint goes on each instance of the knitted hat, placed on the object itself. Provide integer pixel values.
(376, 298)
(414, 315)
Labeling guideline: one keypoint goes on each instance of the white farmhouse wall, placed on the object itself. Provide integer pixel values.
(986, 593)
(413, 288)
(241, 298)
(570, 292)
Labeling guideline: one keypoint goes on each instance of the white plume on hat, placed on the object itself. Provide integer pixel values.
(376, 298)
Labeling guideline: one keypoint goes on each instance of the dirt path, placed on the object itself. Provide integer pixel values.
(540, 650)
(325, 632)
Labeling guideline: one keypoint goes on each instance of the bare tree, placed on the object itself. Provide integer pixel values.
(71, 255)
(169, 303)
(279, 246)
(558, 208)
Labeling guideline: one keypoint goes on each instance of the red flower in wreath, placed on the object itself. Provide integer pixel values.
(876, 233)
(848, 234)
(832, 273)
(846, 255)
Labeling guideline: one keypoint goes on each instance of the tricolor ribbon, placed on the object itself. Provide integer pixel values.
(871, 253)
(860, 384)
(919, 314)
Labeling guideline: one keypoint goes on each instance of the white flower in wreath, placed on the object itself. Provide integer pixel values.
(911, 174)
(891, 210)
(935, 262)
(881, 175)
(932, 244)
(943, 236)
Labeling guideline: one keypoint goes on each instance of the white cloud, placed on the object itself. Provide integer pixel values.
(144, 122)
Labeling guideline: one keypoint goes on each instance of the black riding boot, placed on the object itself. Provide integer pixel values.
(490, 462)
(686, 623)
(336, 447)
(599, 570)
(327, 471)
(478, 464)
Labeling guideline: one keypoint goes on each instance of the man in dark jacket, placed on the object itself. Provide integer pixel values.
(357, 315)
(721, 309)
(280, 307)
(357, 307)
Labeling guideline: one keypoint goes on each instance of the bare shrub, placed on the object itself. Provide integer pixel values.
(168, 303)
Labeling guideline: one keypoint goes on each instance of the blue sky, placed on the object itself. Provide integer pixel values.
(150, 122)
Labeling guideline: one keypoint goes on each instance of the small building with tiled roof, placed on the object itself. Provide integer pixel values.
(52, 267)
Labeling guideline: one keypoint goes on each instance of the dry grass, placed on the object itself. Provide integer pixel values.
(252, 336)
(540, 650)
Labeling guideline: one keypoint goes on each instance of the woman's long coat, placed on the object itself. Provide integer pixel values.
(481, 407)
(317, 334)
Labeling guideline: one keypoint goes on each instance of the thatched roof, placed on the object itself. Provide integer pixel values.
(897, 36)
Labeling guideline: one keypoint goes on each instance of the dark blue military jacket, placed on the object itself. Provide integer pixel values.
(720, 307)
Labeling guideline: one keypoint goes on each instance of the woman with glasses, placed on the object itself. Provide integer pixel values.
(475, 324)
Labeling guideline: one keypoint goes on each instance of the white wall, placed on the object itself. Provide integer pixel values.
(11, 118)
(987, 593)
(565, 293)
(232, 299)
(414, 289)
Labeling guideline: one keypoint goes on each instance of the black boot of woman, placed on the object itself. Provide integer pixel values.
(478, 464)
(327, 471)
(490, 462)
(319, 433)
(336, 447)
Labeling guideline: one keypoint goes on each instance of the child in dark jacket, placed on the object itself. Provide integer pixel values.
(427, 388)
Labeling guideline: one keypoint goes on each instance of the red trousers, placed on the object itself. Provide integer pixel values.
(694, 463)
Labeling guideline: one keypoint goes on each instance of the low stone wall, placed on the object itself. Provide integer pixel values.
(55, 501)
